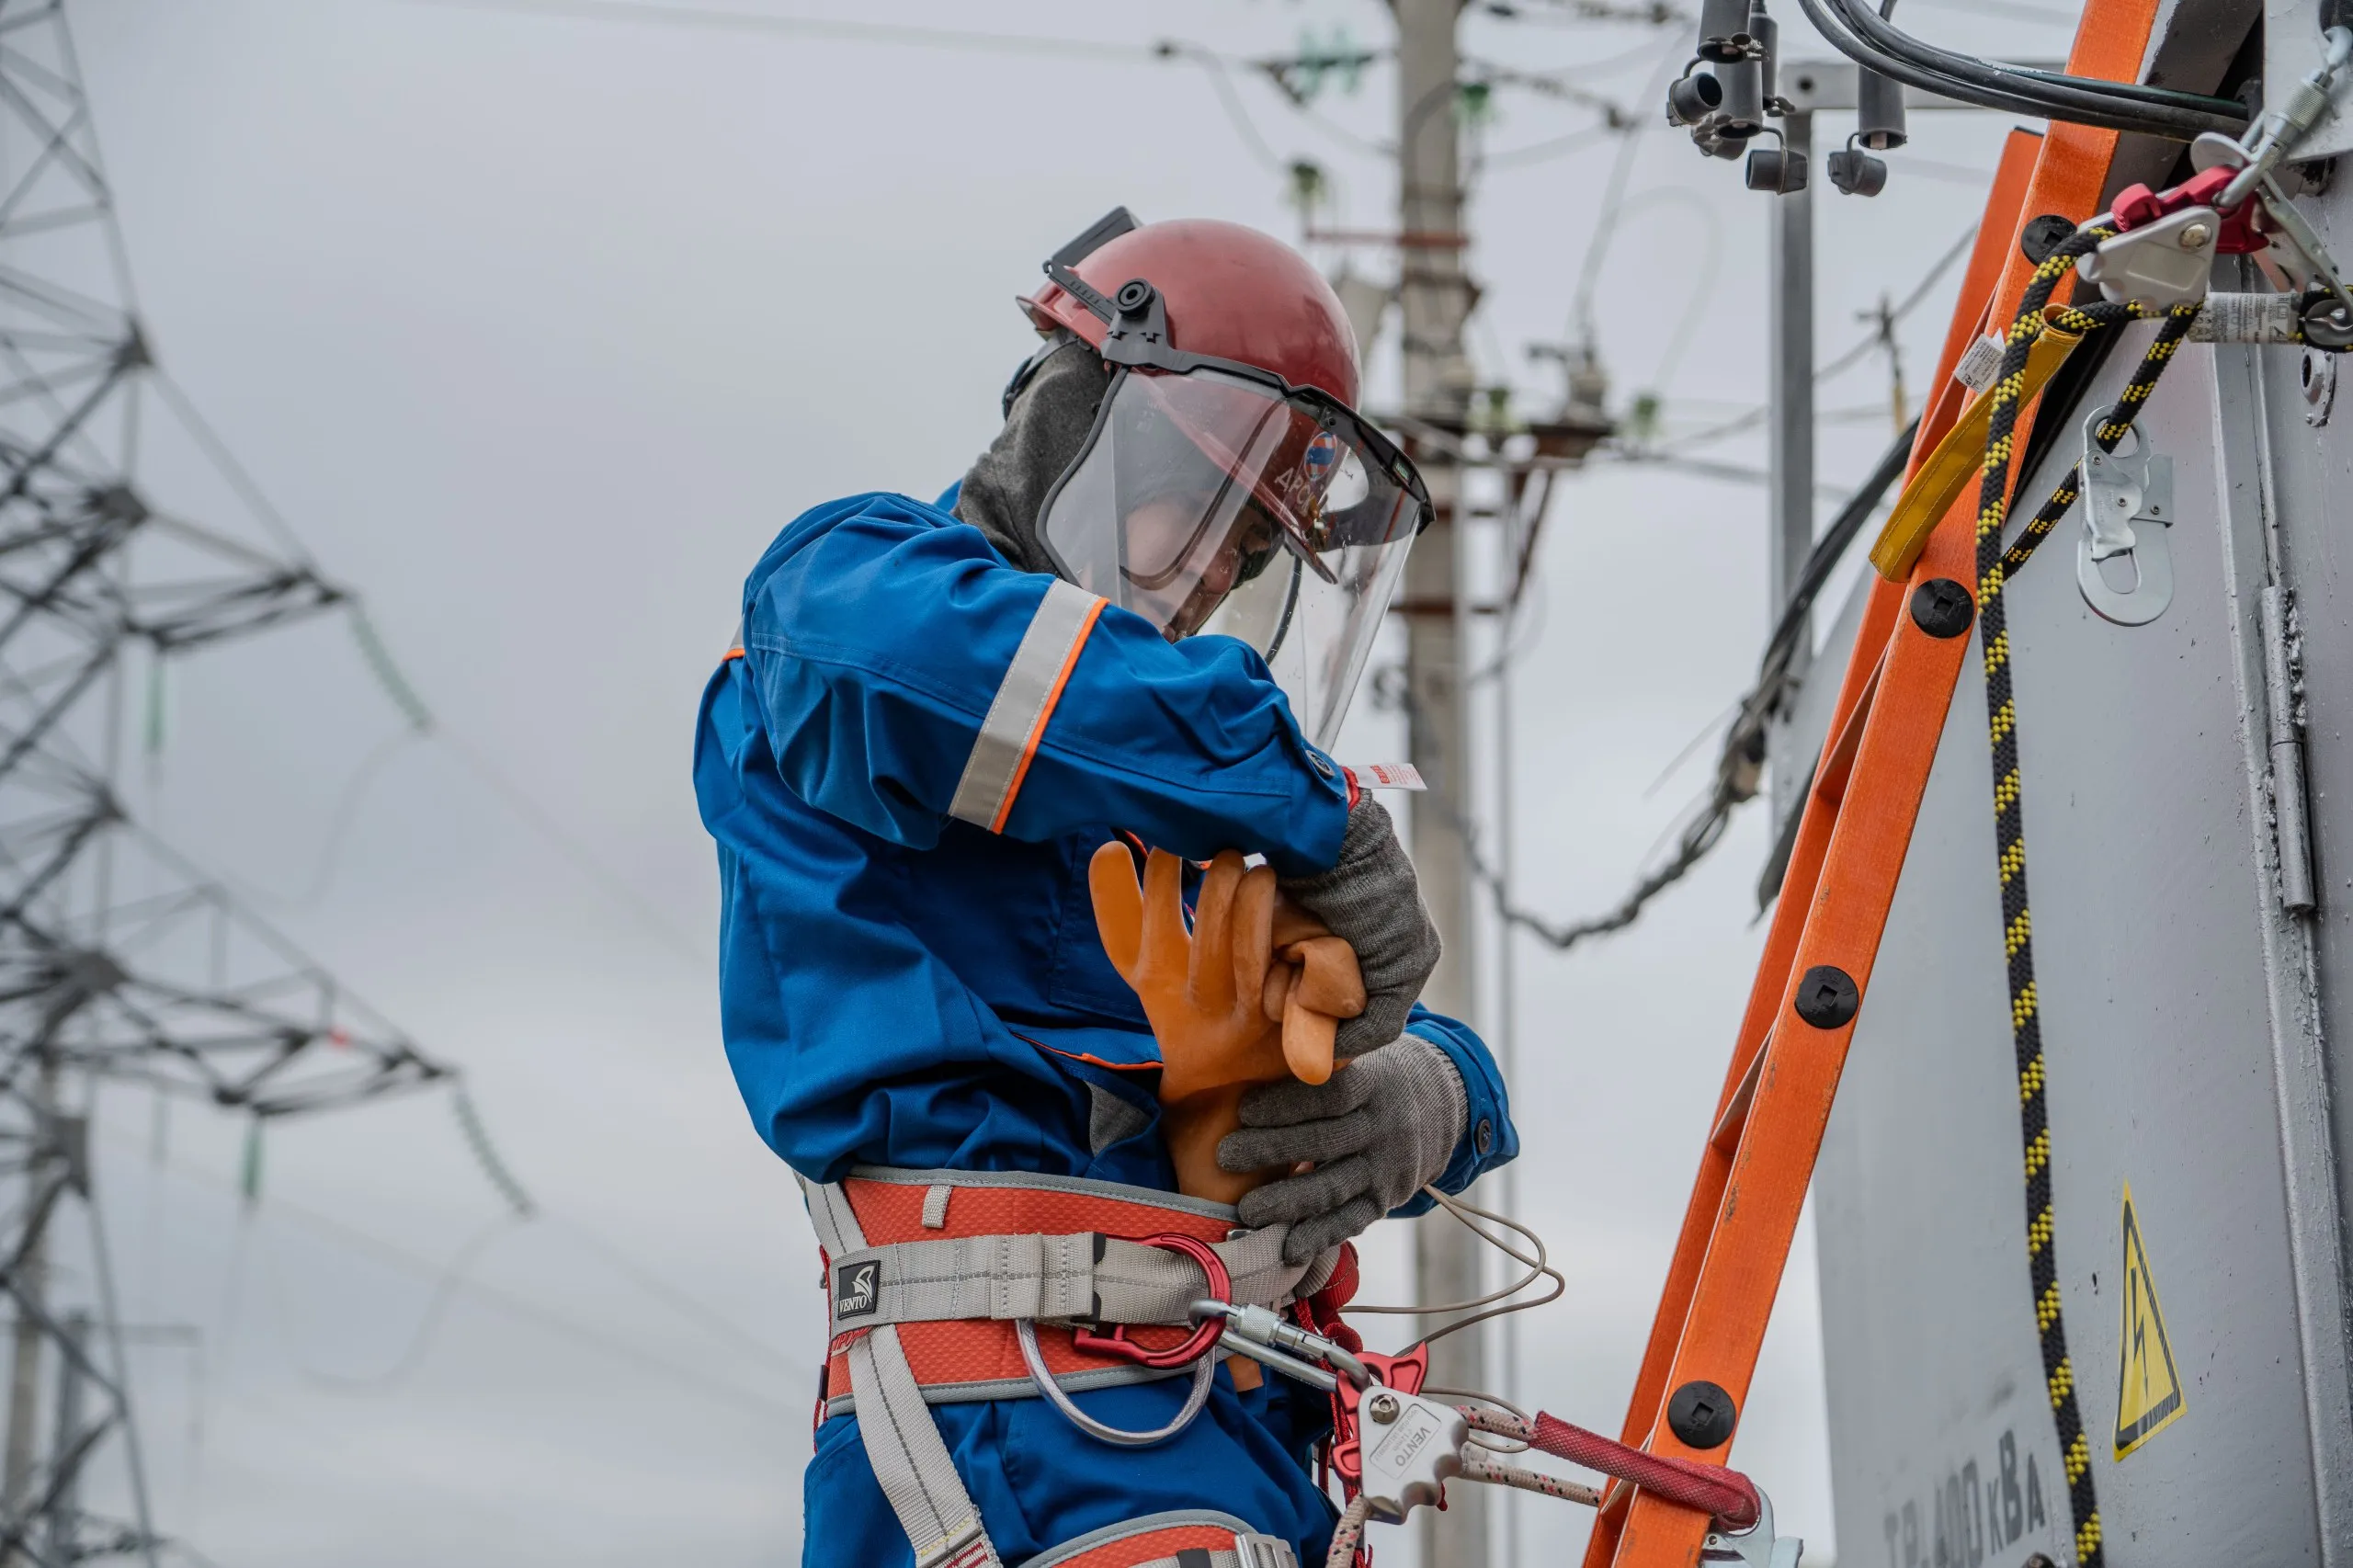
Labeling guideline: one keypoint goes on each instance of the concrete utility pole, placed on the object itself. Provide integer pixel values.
(1790, 501)
(1434, 297)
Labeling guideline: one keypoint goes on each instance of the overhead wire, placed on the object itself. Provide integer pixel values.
(1856, 31)
(1613, 197)
(1235, 110)
(420, 1339)
(1854, 354)
(2014, 9)
(507, 1302)
(1702, 294)
(1551, 148)
(1740, 759)
(834, 30)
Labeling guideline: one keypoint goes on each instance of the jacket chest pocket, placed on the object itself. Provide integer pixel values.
(1080, 975)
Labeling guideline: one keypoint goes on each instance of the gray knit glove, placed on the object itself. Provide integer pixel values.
(1371, 900)
(1376, 1131)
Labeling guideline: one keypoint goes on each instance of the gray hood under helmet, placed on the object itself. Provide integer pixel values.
(1006, 491)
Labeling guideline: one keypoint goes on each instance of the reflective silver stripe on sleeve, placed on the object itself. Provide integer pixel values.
(1023, 700)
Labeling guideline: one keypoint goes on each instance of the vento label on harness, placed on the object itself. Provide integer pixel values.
(858, 1289)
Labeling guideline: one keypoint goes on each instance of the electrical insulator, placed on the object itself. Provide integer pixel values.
(1765, 47)
(1856, 173)
(1879, 111)
(1742, 113)
(1777, 170)
(1723, 30)
(1693, 98)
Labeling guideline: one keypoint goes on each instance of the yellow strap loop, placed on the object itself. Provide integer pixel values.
(1957, 459)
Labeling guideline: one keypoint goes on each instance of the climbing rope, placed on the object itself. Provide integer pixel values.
(2161, 350)
(1994, 566)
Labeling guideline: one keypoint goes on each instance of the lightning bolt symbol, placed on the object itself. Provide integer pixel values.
(2140, 1330)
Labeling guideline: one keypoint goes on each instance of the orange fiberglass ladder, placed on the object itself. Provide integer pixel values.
(1848, 854)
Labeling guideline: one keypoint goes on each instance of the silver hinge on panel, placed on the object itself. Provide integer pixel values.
(2291, 826)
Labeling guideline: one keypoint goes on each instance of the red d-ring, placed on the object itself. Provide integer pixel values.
(1198, 1343)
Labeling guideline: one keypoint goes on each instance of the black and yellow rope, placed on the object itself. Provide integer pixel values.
(1994, 566)
(2088, 320)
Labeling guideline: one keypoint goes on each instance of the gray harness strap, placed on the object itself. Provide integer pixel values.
(901, 1442)
(1024, 698)
(1081, 1277)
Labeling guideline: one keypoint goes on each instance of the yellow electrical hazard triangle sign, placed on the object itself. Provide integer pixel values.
(2148, 1386)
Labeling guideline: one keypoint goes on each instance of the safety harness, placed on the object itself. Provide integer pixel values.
(950, 1286)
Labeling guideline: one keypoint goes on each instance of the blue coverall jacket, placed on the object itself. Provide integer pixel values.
(900, 988)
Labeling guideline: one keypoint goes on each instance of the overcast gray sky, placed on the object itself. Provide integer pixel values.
(539, 328)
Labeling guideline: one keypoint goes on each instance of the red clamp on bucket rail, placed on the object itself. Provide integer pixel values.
(1199, 1342)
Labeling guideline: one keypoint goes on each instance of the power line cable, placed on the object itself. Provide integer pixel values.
(419, 1341)
(1740, 760)
(328, 861)
(2013, 9)
(1854, 353)
(1544, 152)
(507, 1302)
(1856, 31)
(1214, 65)
(1605, 223)
(225, 461)
(834, 29)
(403, 694)
(679, 1301)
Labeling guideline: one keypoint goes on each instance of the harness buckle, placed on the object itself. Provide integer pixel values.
(1199, 1342)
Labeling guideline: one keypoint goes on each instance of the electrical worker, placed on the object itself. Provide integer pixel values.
(1140, 614)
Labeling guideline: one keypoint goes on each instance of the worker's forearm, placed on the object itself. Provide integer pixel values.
(877, 635)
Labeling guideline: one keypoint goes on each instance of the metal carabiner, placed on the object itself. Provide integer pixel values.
(1270, 1340)
(1194, 1350)
(1199, 1342)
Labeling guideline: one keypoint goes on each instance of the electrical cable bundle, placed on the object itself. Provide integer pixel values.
(1868, 39)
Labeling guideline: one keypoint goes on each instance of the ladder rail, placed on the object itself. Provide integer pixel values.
(1894, 700)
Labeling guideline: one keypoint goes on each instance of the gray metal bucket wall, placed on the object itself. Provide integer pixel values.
(2185, 1051)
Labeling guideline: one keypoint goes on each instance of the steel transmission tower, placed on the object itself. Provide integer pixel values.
(118, 960)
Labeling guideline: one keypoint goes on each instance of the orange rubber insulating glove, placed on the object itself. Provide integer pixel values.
(1251, 993)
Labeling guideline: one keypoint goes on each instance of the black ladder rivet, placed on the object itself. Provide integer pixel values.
(1827, 996)
(1942, 608)
(1701, 1415)
(2044, 234)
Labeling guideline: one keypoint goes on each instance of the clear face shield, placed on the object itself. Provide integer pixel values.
(1217, 500)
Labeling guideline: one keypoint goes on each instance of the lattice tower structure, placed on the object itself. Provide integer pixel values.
(119, 963)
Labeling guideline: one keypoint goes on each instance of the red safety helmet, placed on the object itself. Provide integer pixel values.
(1229, 486)
(1231, 293)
